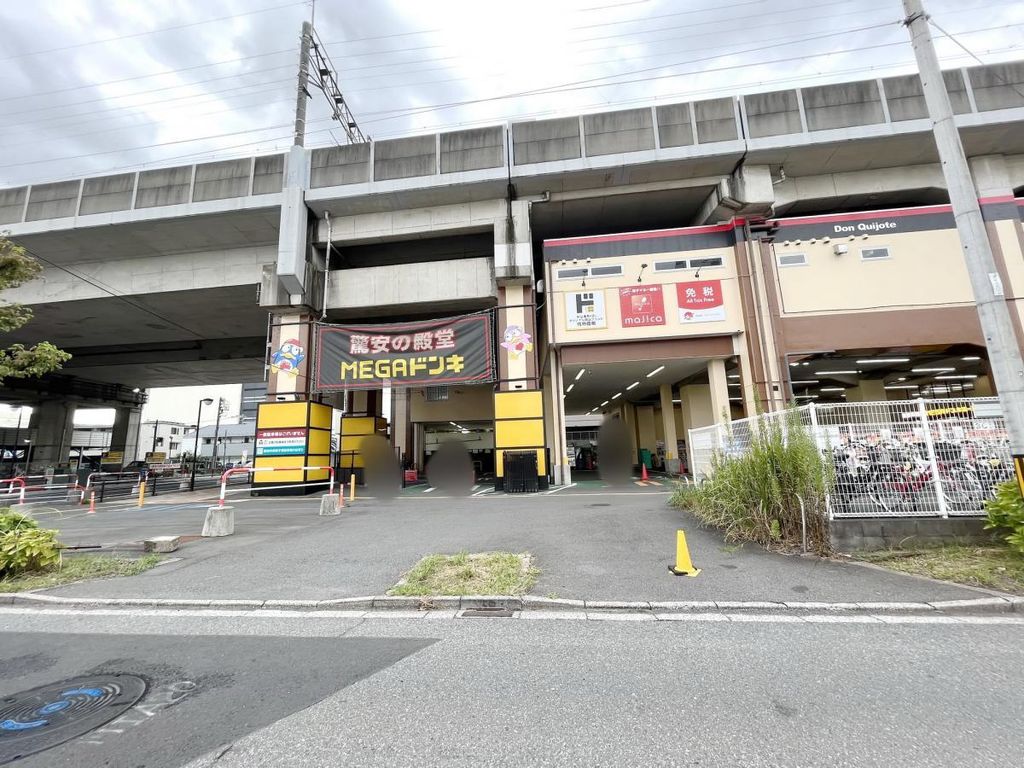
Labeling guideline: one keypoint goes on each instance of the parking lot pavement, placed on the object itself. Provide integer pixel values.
(591, 545)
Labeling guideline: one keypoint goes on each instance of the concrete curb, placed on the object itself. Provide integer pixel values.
(386, 603)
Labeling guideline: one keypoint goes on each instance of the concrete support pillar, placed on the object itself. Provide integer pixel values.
(52, 422)
(719, 384)
(556, 415)
(630, 420)
(646, 437)
(366, 402)
(400, 424)
(125, 434)
(289, 377)
(668, 419)
(867, 391)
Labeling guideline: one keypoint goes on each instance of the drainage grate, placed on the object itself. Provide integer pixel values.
(488, 612)
(44, 717)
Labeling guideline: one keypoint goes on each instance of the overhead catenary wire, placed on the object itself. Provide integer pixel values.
(151, 31)
(970, 53)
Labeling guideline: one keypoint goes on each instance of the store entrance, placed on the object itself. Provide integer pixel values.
(475, 437)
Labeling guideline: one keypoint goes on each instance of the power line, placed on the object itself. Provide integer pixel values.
(977, 59)
(587, 84)
(150, 32)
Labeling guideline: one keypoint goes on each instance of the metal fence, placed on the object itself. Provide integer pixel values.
(888, 459)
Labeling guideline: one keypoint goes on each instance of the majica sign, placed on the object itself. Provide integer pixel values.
(449, 351)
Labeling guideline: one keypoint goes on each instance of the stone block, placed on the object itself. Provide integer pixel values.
(492, 601)
(329, 506)
(220, 521)
(162, 544)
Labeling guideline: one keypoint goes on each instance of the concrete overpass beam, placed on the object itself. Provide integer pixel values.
(513, 249)
(748, 191)
(53, 422)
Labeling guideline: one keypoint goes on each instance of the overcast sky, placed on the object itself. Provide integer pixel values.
(75, 101)
(88, 87)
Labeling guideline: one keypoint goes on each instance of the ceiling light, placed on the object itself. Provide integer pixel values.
(580, 374)
(931, 370)
(602, 405)
(804, 363)
(659, 369)
(569, 388)
(453, 423)
(617, 394)
(677, 401)
(959, 376)
(902, 378)
(793, 365)
(734, 375)
(833, 389)
(804, 381)
(734, 384)
(736, 399)
(878, 360)
(970, 359)
(634, 384)
(834, 373)
(813, 397)
(901, 386)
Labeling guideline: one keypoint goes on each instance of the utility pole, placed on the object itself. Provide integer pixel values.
(216, 430)
(303, 88)
(156, 426)
(1000, 340)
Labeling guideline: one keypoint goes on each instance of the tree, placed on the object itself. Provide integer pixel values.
(18, 361)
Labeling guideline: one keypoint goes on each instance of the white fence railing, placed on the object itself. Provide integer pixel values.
(890, 458)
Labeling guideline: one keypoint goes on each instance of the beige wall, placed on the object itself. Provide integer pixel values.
(631, 269)
(463, 404)
(697, 404)
(924, 269)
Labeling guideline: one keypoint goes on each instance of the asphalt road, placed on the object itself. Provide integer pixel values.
(600, 545)
(329, 691)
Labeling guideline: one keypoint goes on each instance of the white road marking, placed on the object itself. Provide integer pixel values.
(430, 490)
(560, 488)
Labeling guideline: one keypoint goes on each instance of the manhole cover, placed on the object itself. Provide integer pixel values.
(31, 721)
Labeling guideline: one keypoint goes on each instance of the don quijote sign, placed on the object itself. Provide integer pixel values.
(455, 350)
(864, 227)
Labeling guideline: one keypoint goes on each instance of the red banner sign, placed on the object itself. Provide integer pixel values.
(700, 301)
(642, 305)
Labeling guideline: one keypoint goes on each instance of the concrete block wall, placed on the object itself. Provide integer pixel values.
(773, 114)
(402, 158)
(544, 141)
(868, 534)
(154, 188)
(843, 105)
(406, 285)
(998, 86)
(473, 149)
(612, 133)
(675, 125)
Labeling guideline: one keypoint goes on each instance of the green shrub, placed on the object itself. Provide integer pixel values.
(27, 549)
(1006, 514)
(12, 521)
(757, 495)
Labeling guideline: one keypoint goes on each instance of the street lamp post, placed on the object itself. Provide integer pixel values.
(195, 451)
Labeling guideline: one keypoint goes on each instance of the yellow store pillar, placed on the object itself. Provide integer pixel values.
(518, 431)
(291, 437)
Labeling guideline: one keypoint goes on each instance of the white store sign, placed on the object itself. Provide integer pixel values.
(584, 310)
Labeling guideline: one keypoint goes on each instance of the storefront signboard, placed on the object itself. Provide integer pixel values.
(281, 442)
(584, 310)
(700, 301)
(453, 350)
(642, 305)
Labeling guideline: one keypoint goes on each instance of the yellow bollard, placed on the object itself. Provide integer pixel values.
(683, 566)
(352, 492)
(142, 493)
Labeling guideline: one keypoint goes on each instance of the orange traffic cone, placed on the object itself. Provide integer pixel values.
(92, 503)
(643, 470)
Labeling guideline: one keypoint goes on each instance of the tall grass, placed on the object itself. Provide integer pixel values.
(757, 496)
